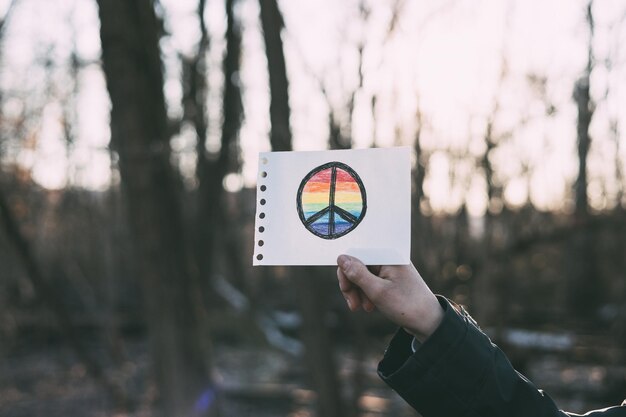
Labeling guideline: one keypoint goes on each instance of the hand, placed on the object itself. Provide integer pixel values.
(398, 291)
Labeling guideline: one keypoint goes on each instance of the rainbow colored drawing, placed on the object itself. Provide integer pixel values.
(331, 200)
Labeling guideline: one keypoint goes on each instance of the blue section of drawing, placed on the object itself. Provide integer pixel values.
(341, 226)
(321, 224)
(321, 228)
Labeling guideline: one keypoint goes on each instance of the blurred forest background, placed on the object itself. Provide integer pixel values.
(129, 134)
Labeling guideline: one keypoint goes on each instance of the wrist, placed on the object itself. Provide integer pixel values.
(427, 321)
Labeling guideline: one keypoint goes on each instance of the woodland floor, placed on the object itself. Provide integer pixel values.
(47, 380)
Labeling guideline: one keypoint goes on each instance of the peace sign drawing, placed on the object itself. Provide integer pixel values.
(331, 200)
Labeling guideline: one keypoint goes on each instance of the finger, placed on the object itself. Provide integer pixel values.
(358, 274)
(367, 304)
(344, 283)
(349, 291)
(353, 299)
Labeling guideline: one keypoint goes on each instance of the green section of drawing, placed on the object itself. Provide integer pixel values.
(310, 209)
(353, 208)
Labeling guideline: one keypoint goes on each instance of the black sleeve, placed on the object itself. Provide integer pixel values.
(457, 371)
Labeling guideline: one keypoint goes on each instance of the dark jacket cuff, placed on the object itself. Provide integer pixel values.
(439, 365)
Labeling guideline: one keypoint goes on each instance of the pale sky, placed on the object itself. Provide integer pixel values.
(444, 57)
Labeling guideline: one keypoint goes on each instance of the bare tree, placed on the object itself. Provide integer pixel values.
(132, 64)
(48, 293)
(318, 349)
(586, 109)
(211, 169)
(272, 23)
(584, 285)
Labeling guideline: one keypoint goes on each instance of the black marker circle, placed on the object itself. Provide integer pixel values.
(332, 209)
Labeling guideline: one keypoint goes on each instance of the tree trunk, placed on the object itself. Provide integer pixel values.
(272, 23)
(211, 169)
(419, 174)
(318, 349)
(318, 345)
(129, 34)
(584, 289)
(585, 107)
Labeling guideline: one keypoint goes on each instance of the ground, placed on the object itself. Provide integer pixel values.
(47, 380)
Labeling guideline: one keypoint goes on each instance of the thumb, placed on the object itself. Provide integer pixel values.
(359, 275)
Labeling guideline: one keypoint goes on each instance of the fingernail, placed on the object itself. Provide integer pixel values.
(344, 262)
(349, 304)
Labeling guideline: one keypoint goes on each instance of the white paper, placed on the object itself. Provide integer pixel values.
(370, 219)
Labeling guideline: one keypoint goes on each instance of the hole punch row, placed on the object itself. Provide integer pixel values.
(263, 188)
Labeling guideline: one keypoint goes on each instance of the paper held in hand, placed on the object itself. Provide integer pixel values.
(314, 206)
